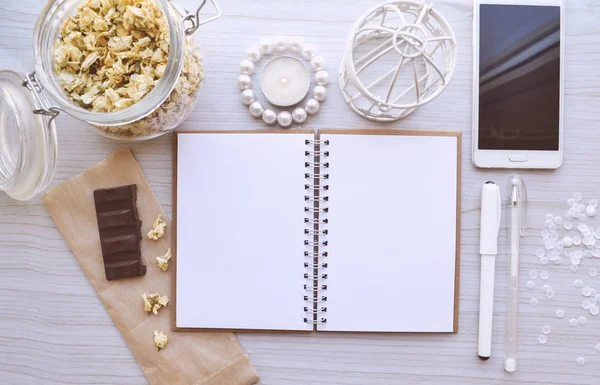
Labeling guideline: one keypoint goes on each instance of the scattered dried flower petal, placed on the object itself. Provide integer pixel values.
(158, 229)
(147, 305)
(163, 262)
(153, 302)
(160, 340)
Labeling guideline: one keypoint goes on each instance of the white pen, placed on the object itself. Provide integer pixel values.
(488, 248)
(516, 227)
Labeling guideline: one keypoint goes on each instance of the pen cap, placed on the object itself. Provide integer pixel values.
(490, 219)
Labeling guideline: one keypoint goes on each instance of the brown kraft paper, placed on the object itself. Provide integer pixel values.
(190, 358)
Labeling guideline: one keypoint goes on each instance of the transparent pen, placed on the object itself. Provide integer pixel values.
(516, 227)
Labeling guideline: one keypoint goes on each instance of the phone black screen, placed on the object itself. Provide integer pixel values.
(519, 77)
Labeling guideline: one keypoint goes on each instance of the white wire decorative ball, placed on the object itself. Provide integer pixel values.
(399, 56)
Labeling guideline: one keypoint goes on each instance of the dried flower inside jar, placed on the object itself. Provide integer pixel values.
(112, 53)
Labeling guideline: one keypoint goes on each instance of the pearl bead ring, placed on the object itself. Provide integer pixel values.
(297, 48)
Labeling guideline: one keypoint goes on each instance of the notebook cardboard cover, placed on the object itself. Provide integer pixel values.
(334, 131)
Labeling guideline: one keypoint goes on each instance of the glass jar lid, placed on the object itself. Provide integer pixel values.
(27, 137)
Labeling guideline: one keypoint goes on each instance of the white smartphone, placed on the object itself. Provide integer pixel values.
(518, 83)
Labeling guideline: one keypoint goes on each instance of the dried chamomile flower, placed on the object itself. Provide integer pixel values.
(112, 53)
(160, 340)
(163, 262)
(178, 103)
(108, 54)
(158, 229)
(163, 300)
(147, 304)
(153, 302)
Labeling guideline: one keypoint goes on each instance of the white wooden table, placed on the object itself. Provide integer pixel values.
(54, 330)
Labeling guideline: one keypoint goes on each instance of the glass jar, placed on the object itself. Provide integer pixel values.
(29, 103)
(27, 141)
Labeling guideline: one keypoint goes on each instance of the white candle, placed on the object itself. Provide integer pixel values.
(285, 81)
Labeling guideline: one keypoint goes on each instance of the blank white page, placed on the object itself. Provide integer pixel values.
(240, 231)
(392, 233)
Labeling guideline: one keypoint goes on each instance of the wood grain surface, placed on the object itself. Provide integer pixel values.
(54, 330)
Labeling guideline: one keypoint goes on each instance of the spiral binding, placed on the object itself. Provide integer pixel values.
(315, 264)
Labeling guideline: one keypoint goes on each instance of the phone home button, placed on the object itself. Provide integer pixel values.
(518, 158)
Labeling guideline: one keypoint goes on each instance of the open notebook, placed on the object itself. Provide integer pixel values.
(344, 230)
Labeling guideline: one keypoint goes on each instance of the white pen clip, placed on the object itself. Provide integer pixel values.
(519, 199)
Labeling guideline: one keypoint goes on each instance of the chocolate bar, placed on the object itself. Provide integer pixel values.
(120, 232)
